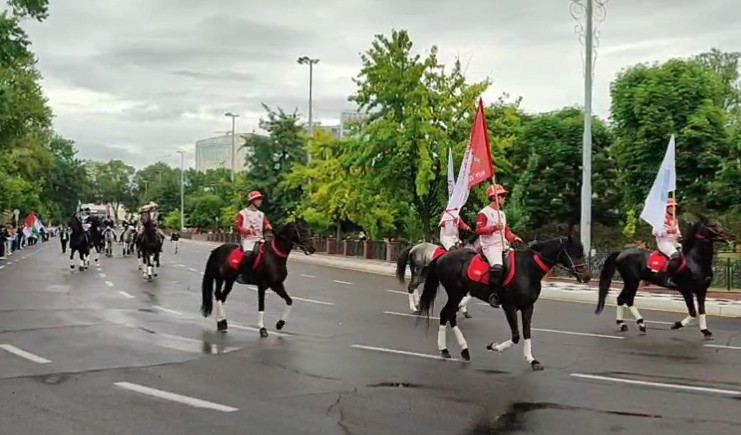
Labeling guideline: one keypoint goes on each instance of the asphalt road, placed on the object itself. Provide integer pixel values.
(105, 352)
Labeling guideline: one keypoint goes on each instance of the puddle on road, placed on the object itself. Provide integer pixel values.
(395, 385)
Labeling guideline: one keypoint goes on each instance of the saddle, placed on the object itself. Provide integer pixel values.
(478, 269)
(241, 261)
(658, 262)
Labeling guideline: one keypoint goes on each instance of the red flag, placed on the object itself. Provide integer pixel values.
(30, 220)
(482, 167)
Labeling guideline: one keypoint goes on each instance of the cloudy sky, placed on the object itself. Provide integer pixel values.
(139, 79)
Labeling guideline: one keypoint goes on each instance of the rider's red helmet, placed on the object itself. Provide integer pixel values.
(254, 195)
(495, 190)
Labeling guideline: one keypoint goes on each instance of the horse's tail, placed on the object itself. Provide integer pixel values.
(207, 285)
(605, 278)
(427, 299)
(401, 264)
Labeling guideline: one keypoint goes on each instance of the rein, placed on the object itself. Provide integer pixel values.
(539, 260)
(282, 254)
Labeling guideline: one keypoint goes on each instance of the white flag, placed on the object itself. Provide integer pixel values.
(654, 210)
(451, 174)
(460, 192)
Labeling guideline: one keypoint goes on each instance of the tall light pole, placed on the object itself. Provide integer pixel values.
(305, 60)
(589, 11)
(182, 190)
(234, 143)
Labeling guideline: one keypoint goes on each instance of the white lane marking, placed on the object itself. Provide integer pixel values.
(341, 282)
(126, 294)
(584, 334)
(405, 352)
(2, 266)
(312, 301)
(394, 313)
(657, 384)
(253, 329)
(167, 310)
(102, 275)
(186, 400)
(109, 283)
(193, 269)
(24, 257)
(659, 322)
(23, 354)
(397, 292)
(307, 276)
(720, 346)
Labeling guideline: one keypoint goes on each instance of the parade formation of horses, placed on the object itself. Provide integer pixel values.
(465, 270)
(264, 267)
(692, 274)
(79, 242)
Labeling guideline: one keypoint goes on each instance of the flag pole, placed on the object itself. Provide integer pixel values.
(496, 202)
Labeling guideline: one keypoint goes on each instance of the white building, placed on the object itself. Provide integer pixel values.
(216, 152)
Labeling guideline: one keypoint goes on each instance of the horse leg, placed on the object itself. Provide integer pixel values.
(703, 317)
(280, 290)
(157, 263)
(691, 311)
(261, 310)
(511, 313)
(139, 259)
(637, 315)
(463, 306)
(71, 258)
(527, 318)
(412, 289)
(447, 316)
(630, 287)
(220, 296)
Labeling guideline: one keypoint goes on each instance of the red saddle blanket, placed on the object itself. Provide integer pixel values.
(237, 255)
(438, 252)
(657, 262)
(478, 269)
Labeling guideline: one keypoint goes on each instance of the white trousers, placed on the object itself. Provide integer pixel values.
(248, 243)
(448, 241)
(667, 246)
(494, 255)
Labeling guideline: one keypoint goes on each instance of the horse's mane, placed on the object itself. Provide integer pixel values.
(689, 239)
(537, 246)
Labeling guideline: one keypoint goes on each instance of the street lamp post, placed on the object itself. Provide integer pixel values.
(305, 60)
(590, 11)
(182, 191)
(234, 143)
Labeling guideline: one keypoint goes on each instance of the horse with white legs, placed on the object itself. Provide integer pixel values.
(692, 273)
(264, 267)
(150, 244)
(418, 257)
(129, 241)
(80, 243)
(466, 271)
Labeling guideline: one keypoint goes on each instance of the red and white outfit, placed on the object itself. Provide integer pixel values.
(490, 237)
(449, 231)
(251, 224)
(667, 239)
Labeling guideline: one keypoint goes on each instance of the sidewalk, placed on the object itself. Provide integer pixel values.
(726, 304)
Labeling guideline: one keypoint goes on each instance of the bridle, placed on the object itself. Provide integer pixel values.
(572, 268)
(300, 245)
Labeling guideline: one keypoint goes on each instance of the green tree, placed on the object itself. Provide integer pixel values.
(649, 104)
(115, 180)
(65, 180)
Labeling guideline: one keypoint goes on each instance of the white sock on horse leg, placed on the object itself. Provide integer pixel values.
(635, 312)
(620, 313)
(412, 305)
(703, 322)
(220, 312)
(686, 321)
(504, 346)
(261, 319)
(286, 313)
(441, 340)
(459, 336)
(528, 350)
(464, 301)
(416, 297)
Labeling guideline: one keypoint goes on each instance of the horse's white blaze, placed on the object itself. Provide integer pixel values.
(634, 311)
(620, 313)
(261, 319)
(503, 346)
(703, 322)
(528, 350)
(441, 340)
(459, 336)
(286, 313)
(220, 313)
(687, 320)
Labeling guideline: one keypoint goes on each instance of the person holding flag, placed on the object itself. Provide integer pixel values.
(668, 238)
(491, 226)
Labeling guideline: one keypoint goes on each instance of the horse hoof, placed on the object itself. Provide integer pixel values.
(467, 315)
(280, 324)
(221, 325)
(623, 328)
(490, 346)
(706, 334)
(72, 267)
(642, 329)
(466, 355)
(536, 365)
(445, 353)
(677, 325)
(416, 312)
(81, 268)
(263, 332)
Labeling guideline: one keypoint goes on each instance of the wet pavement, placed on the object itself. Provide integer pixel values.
(105, 352)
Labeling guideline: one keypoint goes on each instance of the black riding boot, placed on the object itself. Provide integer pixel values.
(495, 275)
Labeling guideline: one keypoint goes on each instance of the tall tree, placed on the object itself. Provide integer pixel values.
(115, 180)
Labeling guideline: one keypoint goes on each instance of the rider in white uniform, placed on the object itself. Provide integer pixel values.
(491, 224)
(251, 222)
(667, 238)
(449, 231)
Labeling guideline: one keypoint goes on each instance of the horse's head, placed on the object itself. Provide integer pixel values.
(707, 229)
(571, 256)
(297, 231)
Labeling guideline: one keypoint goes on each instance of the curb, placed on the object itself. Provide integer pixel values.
(558, 291)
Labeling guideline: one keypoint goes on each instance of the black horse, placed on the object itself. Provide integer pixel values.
(79, 241)
(694, 276)
(96, 236)
(265, 267)
(149, 246)
(522, 285)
